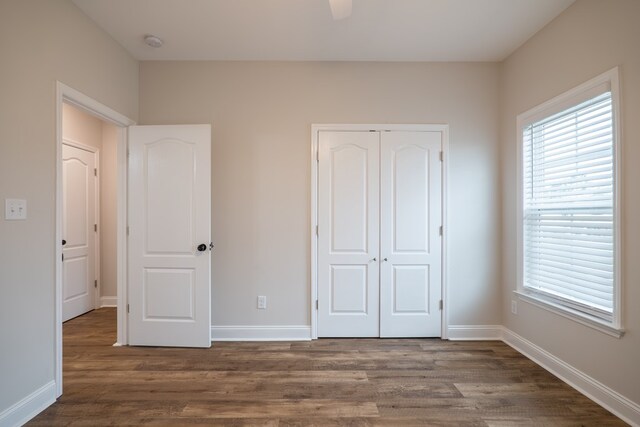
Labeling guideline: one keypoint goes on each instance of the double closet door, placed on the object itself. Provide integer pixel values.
(379, 233)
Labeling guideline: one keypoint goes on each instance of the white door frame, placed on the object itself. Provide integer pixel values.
(66, 94)
(315, 128)
(96, 250)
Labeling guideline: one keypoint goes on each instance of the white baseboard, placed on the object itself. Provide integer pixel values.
(108, 302)
(613, 401)
(21, 412)
(260, 333)
(474, 332)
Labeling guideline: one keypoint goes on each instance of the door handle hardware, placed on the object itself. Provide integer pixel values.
(385, 259)
(64, 242)
(374, 259)
(202, 247)
(211, 246)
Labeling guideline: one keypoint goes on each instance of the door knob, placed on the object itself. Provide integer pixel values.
(202, 247)
(385, 259)
(64, 242)
(374, 259)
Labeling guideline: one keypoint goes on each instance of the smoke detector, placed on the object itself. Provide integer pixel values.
(153, 41)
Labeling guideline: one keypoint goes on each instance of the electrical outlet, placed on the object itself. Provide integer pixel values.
(514, 306)
(262, 302)
(15, 209)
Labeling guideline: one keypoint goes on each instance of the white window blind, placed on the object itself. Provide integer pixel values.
(568, 201)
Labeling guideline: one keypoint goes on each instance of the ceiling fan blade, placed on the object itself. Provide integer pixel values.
(340, 9)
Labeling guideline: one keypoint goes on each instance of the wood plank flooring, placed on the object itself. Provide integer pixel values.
(328, 382)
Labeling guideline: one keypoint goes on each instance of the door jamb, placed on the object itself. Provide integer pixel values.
(66, 94)
(315, 129)
(96, 250)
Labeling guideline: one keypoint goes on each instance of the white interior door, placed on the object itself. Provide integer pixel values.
(78, 233)
(169, 280)
(410, 241)
(348, 243)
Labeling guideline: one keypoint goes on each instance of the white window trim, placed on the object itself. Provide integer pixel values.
(555, 105)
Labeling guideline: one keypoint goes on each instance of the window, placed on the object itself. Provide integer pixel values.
(568, 231)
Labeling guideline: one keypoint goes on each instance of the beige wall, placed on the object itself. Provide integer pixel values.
(261, 114)
(42, 41)
(109, 212)
(590, 37)
(78, 126)
(86, 129)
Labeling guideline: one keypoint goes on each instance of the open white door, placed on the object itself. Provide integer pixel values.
(169, 279)
(410, 241)
(78, 231)
(348, 241)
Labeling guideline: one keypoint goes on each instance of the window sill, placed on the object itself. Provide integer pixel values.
(576, 316)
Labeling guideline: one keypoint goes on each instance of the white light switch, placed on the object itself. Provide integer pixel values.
(15, 209)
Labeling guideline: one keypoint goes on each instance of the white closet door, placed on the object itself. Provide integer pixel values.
(348, 239)
(78, 233)
(410, 241)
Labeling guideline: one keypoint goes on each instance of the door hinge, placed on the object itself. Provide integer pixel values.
(95, 227)
(317, 155)
(128, 154)
(442, 156)
(441, 230)
(95, 283)
(440, 305)
(316, 230)
(95, 171)
(127, 230)
(128, 309)
(316, 304)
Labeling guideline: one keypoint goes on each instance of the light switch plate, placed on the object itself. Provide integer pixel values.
(15, 209)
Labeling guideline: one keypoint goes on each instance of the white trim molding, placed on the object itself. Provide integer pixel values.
(568, 313)
(601, 394)
(475, 332)
(260, 333)
(21, 412)
(108, 302)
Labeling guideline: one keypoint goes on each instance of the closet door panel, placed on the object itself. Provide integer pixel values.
(410, 241)
(348, 238)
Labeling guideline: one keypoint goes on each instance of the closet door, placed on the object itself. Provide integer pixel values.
(410, 241)
(348, 235)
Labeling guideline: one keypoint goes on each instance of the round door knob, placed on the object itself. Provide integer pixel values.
(202, 247)
(64, 242)
(385, 259)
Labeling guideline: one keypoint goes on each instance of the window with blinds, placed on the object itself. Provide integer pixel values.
(568, 228)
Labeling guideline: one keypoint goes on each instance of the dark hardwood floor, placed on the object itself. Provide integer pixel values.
(328, 382)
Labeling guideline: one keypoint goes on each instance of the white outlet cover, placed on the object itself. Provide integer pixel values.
(15, 209)
(262, 302)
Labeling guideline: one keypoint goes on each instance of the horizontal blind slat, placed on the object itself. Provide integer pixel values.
(578, 259)
(590, 293)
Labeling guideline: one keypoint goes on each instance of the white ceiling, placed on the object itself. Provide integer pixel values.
(303, 30)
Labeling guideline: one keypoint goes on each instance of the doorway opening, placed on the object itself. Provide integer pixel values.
(89, 132)
(89, 201)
